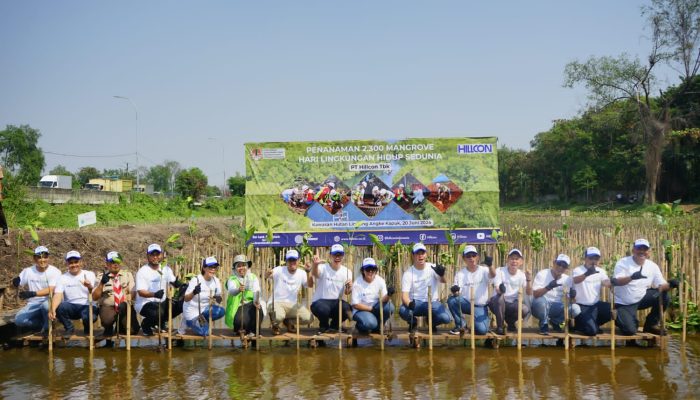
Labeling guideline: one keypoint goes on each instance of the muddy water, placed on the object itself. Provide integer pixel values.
(364, 373)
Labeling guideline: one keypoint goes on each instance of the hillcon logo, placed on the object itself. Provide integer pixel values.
(474, 148)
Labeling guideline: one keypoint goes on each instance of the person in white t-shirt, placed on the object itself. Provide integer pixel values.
(288, 280)
(152, 281)
(639, 283)
(508, 281)
(414, 290)
(40, 280)
(588, 279)
(333, 281)
(366, 293)
(202, 291)
(476, 276)
(72, 297)
(548, 291)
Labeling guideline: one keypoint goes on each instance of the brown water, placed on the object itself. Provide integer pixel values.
(364, 373)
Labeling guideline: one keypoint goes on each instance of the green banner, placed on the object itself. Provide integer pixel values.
(383, 185)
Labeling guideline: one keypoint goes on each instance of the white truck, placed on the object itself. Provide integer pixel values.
(56, 182)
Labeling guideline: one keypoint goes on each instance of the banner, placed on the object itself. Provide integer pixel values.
(405, 190)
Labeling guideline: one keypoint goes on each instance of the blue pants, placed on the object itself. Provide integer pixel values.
(458, 305)
(368, 321)
(592, 317)
(627, 314)
(217, 312)
(326, 310)
(552, 312)
(67, 312)
(34, 316)
(440, 314)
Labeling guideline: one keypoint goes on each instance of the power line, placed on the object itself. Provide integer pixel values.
(90, 156)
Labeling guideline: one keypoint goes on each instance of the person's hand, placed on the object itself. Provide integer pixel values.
(454, 289)
(104, 279)
(613, 282)
(16, 281)
(52, 315)
(502, 288)
(412, 305)
(488, 260)
(572, 293)
(218, 299)
(241, 288)
(390, 291)
(27, 294)
(553, 284)
(316, 259)
(637, 275)
(159, 294)
(268, 273)
(590, 271)
(439, 269)
(673, 283)
(197, 289)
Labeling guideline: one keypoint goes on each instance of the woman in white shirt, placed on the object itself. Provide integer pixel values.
(365, 298)
(198, 298)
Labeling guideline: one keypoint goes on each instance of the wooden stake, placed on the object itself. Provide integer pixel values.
(472, 319)
(566, 319)
(684, 307)
(211, 305)
(128, 321)
(381, 319)
(297, 325)
(430, 318)
(170, 320)
(613, 317)
(520, 318)
(91, 339)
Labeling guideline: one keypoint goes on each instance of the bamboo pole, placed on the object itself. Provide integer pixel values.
(520, 318)
(684, 305)
(472, 318)
(381, 319)
(170, 320)
(211, 305)
(91, 339)
(613, 317)
(297, 313)
(128, 321)
(566, 319)
(430, 318)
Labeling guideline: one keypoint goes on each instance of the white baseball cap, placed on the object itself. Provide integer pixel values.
(337, 249)
(642, 242)
(515, 251)
(154, 247)
(72, 254)
(564, 258)
(369, 263)
(113, 256)
(210, 262)
(419, 247)
(292, 255)
(592, 251)
(40, 249)
(469, 249)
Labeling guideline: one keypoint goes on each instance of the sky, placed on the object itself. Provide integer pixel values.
(206, 77)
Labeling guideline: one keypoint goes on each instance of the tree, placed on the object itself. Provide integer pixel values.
(60, 170)
(236, 185)
(163, 176)
(675, 28)
(191, 183)
(20, 154)
(84, 175)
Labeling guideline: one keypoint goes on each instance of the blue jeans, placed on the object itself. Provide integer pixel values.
(203, 329)
(440, 314)
(67, 312)
(591, 317)
(546, 311)
(367, 321)
(34, 316)
(458, 305)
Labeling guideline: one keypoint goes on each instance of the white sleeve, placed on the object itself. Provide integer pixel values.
(190, 287)
(539, 281)
(383, 290)
(141, 282)
(657, 279)
(60, 286)
(406, 281)
(356, 295)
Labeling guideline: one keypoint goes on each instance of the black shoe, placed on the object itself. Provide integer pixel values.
(68, 333)
(500, 331)
(44, 334)
(109, 344)
(86, 330)
(511, 328)
(108, 332)
(544, 330)
(655, 330)
(557, 328)
(147, 332)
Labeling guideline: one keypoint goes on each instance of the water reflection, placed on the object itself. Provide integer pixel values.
(367, 373)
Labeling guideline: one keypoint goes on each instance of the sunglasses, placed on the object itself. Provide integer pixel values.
(42, 255)
(562, 264)
(470, 255)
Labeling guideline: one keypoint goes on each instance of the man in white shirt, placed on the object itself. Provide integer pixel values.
(639, 283)
(152, 281)
(72, 297)
(508, 282)
(288, 280)
(476, 276)
(548, 292)
(588, 279)
(414, 290)
(40, 280)
(333, 280)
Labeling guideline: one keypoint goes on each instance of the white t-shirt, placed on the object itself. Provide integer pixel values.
(72, 287)
(512, 282)
(287, 285)
(479, 280)
(250, 281)
(330, 282)
(588, 291)
(543, 278)
(151, 280)
(37, 281)
(634, 291)
(367, 293)
(191, 309)
(416, 282)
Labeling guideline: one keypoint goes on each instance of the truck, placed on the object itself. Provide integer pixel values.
(112, 185)
(56, 182)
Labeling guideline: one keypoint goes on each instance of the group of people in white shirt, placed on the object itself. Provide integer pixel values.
(637, 283)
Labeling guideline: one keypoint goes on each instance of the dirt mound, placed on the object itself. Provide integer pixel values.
(94, 243)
